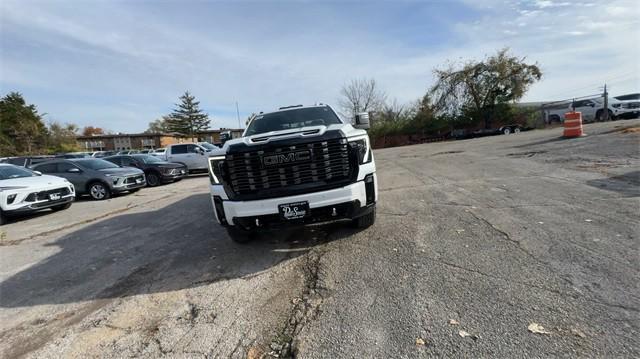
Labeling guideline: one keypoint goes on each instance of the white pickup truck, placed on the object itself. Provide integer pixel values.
(592, 110)
(297, 165)
(192, 155)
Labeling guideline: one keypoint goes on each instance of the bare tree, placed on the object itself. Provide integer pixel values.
(360, 95)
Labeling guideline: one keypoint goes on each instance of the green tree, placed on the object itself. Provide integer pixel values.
(62, 137)
(160, 125)
(188, 118)
(480, 89)
(21, 128)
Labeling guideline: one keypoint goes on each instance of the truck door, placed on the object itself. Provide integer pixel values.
(178, 153)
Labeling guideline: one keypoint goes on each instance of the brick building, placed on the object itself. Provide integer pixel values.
(137, 141)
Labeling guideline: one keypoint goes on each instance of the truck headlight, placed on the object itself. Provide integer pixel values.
(216, 169)
(362, 150)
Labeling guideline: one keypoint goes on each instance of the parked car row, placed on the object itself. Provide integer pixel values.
(50, 182)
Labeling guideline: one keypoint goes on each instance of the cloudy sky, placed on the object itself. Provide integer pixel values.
(121, 64)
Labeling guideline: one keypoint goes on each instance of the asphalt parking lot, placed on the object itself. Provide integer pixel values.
(478, 244)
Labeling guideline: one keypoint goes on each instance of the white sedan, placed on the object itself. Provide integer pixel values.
(25, 191)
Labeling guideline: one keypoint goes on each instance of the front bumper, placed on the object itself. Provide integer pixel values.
(36, 206)
(350, 201)
(128, 183)
(127, 187)
(174, 175)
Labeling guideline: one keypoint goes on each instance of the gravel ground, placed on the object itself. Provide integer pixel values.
(510, 246)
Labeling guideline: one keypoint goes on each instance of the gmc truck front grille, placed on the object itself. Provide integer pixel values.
(275, 171)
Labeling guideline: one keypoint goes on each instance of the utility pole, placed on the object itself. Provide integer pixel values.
(238, 114)
(606, 104)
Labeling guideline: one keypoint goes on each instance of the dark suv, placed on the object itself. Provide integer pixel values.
(156, 170)
(96, 177)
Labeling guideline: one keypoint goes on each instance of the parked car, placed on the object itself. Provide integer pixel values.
(192, 155)
(23, 191)
(101, 154)
(25, 161)
(95, 177)
(628, 105)
(73, 155)
(156, 170)
(159, 152)
(208, 146)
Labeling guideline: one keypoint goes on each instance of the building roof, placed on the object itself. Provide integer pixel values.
(151, 134)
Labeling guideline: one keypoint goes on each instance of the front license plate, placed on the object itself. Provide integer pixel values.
(54, 196)
(294, 210)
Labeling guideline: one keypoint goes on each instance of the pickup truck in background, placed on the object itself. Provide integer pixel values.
(191, 155)
(592, 109)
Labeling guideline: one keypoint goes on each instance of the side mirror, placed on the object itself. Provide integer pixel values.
(73, 170)
(38, 173)
(362, 121)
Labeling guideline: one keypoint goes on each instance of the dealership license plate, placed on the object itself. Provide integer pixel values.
(54, 196)
(294, 210)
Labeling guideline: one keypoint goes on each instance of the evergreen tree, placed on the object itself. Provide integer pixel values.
(21, 128)
(188, 118)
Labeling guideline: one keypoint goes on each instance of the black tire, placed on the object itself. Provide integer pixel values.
(153, 179)
(506, 130)
(600, 117)
(516, 130)
(554, 118)
(61, 207)
(240, 235)
(99, 191)
(365, 221)
(3, 219)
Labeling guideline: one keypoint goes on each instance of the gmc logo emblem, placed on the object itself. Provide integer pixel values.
(290, 157)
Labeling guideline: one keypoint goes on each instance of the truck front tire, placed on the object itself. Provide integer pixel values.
(365, 221)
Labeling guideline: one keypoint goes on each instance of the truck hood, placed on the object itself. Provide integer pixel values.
(303, 132)
(35, 181)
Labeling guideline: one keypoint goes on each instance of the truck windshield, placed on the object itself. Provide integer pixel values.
(290, 119)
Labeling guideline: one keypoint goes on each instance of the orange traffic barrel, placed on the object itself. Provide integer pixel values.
(573, 124)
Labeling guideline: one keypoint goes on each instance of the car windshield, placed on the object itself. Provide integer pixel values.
(96, 164)
(207, 145)
(10, 172)
(290, 119)
(148, 159)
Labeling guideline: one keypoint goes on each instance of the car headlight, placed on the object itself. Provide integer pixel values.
(617, 105)
(216, 169)
(362, 149)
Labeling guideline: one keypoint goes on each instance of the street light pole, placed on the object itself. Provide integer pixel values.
(238, 114)
(606, 104)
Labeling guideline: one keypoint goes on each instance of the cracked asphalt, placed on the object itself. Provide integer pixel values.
(475, 242)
